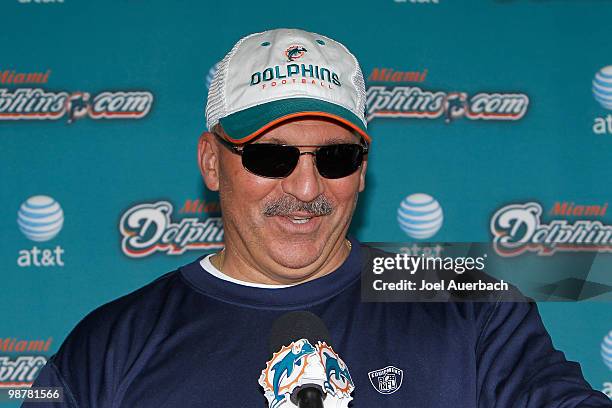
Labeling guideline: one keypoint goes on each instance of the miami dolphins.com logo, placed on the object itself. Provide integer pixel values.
(414, 102)
(38, 104)
(21, 371)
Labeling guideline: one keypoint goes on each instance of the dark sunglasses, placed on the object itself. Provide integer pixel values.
(270, 160)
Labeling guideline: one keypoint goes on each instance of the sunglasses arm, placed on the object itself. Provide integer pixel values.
(232, 147)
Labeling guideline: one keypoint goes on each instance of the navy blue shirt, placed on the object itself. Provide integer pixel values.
(190, 339)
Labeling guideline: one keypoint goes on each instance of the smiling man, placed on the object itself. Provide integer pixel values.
(287, 150)
(289, 227)
(288, 196)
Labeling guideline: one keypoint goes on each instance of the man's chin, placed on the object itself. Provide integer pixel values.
(299, 258)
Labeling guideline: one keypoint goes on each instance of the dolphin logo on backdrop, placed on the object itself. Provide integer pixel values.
(147, 228)
(517, 228)
(77, 106)
(386, 380)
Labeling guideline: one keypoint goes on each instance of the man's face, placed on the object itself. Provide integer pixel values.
(270, 219)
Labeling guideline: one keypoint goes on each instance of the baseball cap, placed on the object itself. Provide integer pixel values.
(280, 74)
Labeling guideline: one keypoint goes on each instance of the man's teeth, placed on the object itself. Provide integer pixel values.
(299, 220)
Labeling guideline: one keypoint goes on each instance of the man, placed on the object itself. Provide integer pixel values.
(287, 150)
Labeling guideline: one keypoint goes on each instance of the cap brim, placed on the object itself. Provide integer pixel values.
(247, 124)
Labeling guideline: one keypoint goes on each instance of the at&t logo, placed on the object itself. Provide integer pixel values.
(40, 218)
(602, 91)
(420, 216)
(606, 355)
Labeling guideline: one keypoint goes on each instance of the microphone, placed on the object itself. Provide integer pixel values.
(304, 371)
(296, 326)
(308, 397)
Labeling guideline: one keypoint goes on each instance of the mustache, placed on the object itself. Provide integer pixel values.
(288, 204)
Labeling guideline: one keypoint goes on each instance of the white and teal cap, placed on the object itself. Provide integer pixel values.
(280, 74)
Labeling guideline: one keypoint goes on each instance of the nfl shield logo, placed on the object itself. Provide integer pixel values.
(386, 380)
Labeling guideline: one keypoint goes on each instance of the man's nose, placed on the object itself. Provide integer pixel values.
(304, 183)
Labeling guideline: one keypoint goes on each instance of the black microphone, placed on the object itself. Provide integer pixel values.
(308, 397)
(293, 326)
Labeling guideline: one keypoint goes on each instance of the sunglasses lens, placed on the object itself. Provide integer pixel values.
(270, 160)
(337, 161)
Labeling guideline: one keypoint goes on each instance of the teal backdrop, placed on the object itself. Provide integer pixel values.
(102, 104)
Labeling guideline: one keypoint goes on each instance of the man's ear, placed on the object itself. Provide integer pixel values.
(208, 160)
(362, 173)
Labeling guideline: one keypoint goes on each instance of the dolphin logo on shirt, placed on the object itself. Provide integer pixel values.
(339, 381)
(332, 368)
(283, 369)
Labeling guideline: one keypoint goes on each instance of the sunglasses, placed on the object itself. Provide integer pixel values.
(270, 160)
